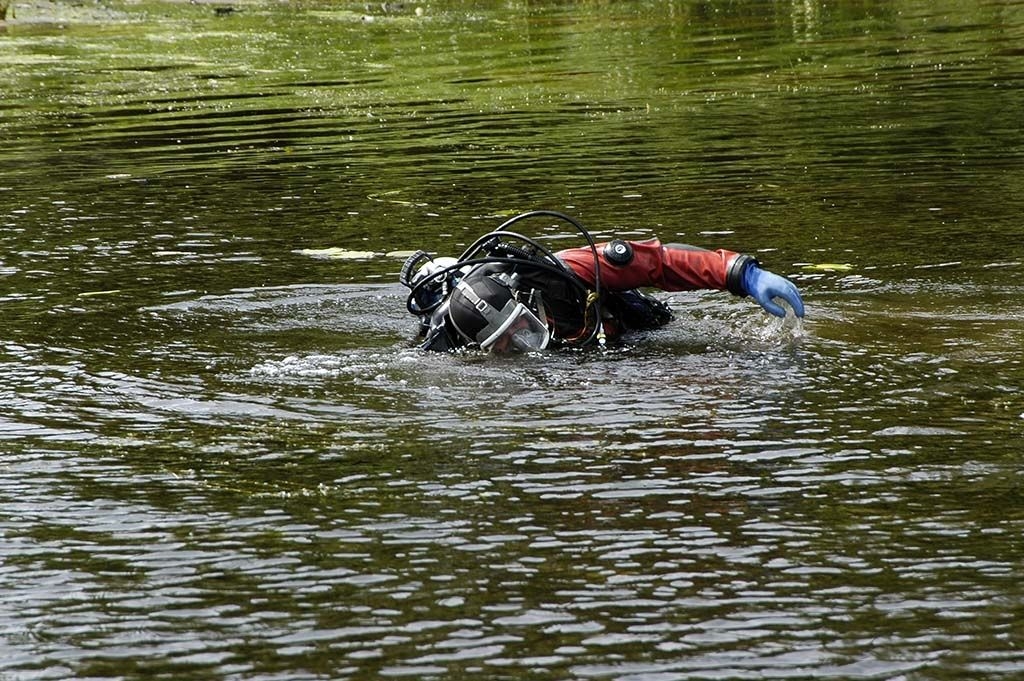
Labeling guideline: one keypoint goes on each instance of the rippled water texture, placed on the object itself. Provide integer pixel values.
(220, 457)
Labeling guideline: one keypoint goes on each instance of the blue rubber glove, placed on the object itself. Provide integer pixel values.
(762, 286)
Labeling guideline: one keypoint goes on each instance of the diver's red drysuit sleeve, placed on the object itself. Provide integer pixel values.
(670, 268)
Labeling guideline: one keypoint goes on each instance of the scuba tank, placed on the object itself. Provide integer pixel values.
(430, 279)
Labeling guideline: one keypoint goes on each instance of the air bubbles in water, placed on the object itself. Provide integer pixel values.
(771, 329)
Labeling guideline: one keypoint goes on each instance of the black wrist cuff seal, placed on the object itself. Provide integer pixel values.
(734, 276)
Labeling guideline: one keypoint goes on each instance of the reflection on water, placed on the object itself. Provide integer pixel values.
(220, 456)
(693, 500)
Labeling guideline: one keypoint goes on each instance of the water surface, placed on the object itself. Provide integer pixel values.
(221, 457)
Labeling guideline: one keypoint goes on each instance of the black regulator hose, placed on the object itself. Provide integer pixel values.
(598, 325)
(551, 264)
(492, 240)
(410, 301)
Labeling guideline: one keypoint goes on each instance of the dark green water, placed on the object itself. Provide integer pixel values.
(219, 457)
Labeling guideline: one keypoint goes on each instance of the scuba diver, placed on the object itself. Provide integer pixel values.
(509, 293)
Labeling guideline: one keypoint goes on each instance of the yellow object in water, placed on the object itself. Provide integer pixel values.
(829, 267)
(93, 294)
